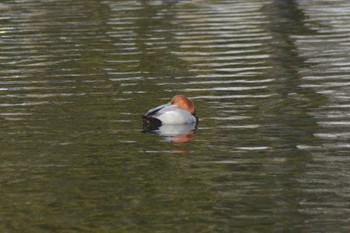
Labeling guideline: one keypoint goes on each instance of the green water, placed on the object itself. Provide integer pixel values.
(270, 81)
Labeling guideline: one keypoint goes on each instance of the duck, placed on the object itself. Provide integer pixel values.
(180, 110)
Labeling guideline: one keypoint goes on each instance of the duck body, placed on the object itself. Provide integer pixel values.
(180, 110)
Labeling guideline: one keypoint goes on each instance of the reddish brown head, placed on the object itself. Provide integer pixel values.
(184, 103)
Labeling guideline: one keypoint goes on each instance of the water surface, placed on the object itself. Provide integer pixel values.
(270, 80)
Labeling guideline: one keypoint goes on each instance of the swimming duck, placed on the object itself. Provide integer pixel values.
(180, 110)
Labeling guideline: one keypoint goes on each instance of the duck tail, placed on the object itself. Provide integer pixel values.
(151, 122)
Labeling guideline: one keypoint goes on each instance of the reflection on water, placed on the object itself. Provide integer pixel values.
(175, 133)
(271, 83)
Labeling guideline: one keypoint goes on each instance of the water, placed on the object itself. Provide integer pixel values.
(270, 80)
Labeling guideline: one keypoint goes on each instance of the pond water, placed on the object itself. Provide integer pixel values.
(271, 83)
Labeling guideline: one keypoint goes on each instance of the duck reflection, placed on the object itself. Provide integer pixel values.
(175, 133)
